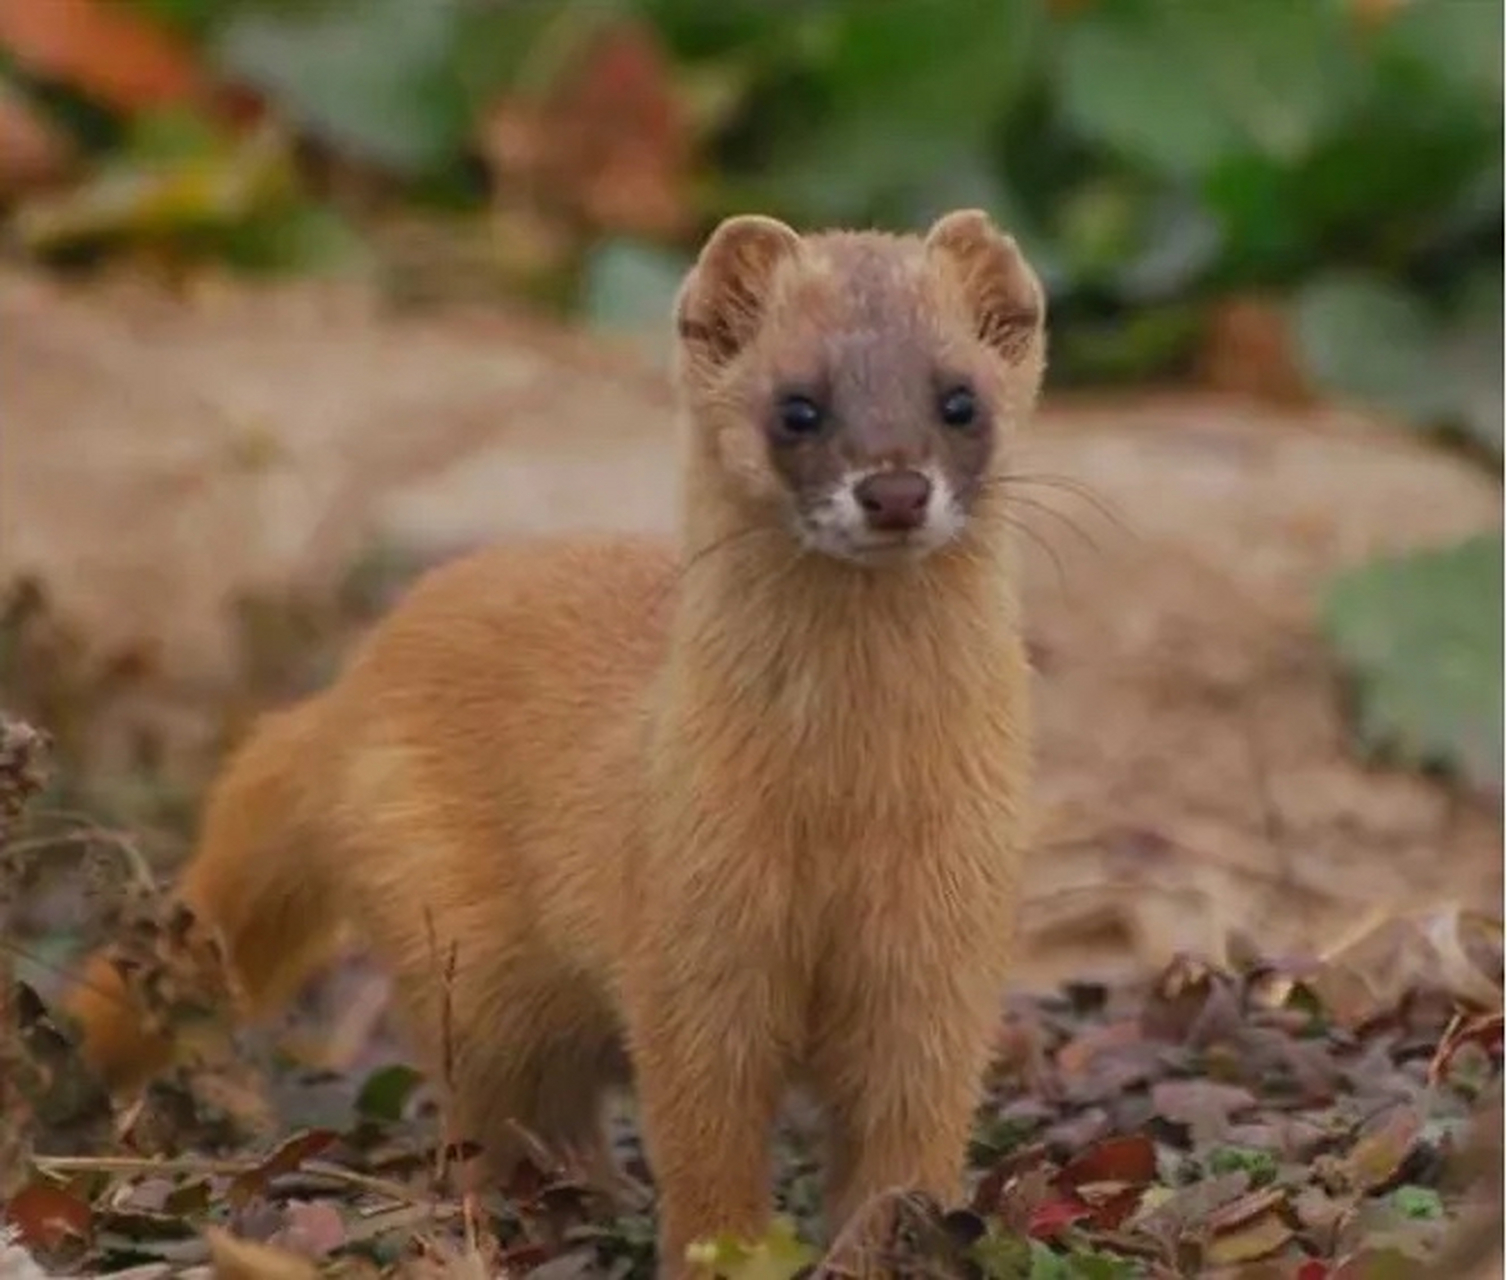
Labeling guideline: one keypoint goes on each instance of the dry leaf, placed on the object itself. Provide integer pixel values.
(237, 1259)
(1257, 1237)
(312, 1228)
(109, 52)
(46, 1215)
(1449, 948)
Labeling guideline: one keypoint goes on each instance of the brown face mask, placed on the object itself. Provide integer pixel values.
(860, 384)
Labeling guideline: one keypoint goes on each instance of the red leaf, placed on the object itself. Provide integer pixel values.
(1313, 1269)
(1052, 1217)
(46, 1215)
(108, 52)
(1130, 1160)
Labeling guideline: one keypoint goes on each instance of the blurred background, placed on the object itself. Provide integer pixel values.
(302, 294)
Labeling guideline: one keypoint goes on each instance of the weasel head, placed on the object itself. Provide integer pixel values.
(857, 388)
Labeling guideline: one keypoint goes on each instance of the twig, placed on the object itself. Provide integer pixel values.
(231, 1168)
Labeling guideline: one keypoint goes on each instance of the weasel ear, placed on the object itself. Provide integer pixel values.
(723, 299)
(1009, 307)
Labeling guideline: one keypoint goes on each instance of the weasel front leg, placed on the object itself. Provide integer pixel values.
(709, 1069)
(905, 1028)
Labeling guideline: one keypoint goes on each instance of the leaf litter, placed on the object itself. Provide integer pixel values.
(1321, 1117)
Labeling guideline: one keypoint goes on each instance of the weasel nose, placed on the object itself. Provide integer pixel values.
(893, 500)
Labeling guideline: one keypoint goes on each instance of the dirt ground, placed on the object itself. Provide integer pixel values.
(160, 457)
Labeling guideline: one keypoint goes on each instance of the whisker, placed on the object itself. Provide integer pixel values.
(701, 553)
(1051, 552)
(1078, 488)
(1035, 504)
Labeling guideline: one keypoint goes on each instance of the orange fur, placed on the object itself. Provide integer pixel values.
(753, 814)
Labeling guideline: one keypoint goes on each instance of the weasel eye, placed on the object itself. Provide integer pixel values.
(801, 416)
(958, 407)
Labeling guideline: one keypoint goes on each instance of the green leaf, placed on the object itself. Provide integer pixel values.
(1116, 89)
(779, 1255)
(386, 1091)
(376, 78)
(1459, 41)
(903, 61)
(1180, 87)
(1472, 360)
(1421, 1203)
(1421, 639)
(1002, 1255)
(1370, 341)
(1079, 1264)
(1260, 1165)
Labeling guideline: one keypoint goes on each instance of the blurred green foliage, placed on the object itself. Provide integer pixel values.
(1342, 156)
(1337, 161)
(1421, 639)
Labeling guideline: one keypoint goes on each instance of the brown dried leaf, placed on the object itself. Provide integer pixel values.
(1168, 1219)
(1257, 1237)
(1076, 1057)
(312, 1228)
(1205, 1106)
(1191, 1002)
(1320, 1215)
(285, 1158)
(1374, 1160)
(237, 1259)
(1452, 948)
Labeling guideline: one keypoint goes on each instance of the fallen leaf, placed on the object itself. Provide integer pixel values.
(1376, 1264)
(46, 1215)
(312, 1228)
(1078, 1054)
(1051, 1218)
(283, 1159)
(1205, 1106)
(1374, 1160)
(1320, 1215)
(237, 1259)
(108, 51)
(1255, 1238)
(1484, 1030)
(1168, 1219)
(1191, 1002)
(778, 1255)
(1130, 1160)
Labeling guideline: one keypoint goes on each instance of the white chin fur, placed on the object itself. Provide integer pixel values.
(837, 526)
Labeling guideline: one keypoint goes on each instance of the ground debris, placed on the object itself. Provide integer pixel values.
(1205, 1121)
